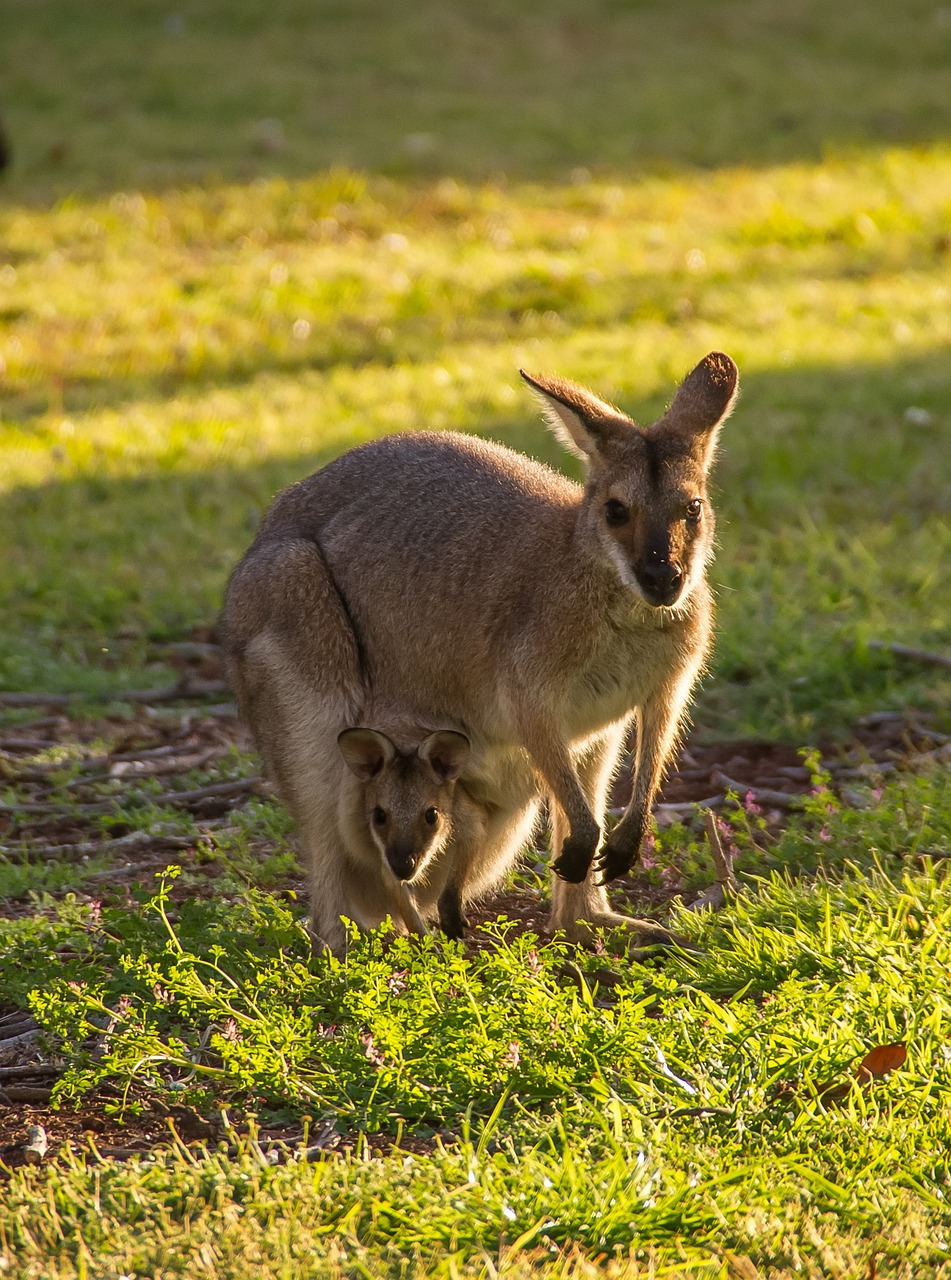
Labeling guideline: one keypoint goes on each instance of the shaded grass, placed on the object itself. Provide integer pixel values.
(130, 94)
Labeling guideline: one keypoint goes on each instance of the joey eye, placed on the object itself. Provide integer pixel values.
(616, 513)
(431, 816)
(379, 817)
(693, 510)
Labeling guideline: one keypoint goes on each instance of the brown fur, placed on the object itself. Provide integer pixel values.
(471, 586)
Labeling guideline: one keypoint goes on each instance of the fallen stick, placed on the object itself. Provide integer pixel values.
(35, 699)
(26, 1070)
(25, 1093)
(686, 809)
(164, 759)
(726, 883)
(183, 690)
(130, 869)
(188, 649)
(187, 798)
(183, 798)
(683, 809)
(94, 848)
(914, 655)
(223, 709)
(18, 1032)
(721, 859)
(761, 795)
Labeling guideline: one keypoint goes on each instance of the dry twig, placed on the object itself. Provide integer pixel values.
(761, 795)
(914, 655)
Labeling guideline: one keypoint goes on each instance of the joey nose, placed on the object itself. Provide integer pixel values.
(402, 861)
(661, 581)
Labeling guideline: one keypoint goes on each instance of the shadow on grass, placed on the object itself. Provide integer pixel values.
(107, 97)
(833, 509)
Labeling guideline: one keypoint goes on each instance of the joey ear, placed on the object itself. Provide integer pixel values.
(704, 399)
(366, 752)
(446, 753)
(577, 418)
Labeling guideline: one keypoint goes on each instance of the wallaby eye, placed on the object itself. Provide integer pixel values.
(379, 817)
(693, 510)
(431, 816)
(616, 513)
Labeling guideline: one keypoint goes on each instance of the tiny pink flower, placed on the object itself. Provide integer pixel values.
(727, 832)
(397, 981)
(750, 805)
(513, 1056)
(825, 835)
(230, 1029)
(534, 964)
(370, 1051)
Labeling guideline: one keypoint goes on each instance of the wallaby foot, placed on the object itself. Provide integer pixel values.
(451, 919)
(577, 854)
(622, 848)
(320, 948)
(613, 862)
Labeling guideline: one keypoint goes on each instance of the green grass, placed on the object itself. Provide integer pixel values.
(158, 394)
(234, 244)
(679, 1112)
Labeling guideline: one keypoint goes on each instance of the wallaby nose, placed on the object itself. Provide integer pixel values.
(402, 860)
(661, 581)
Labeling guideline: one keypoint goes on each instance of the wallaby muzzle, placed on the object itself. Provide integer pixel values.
(402, 861)
(661, 583)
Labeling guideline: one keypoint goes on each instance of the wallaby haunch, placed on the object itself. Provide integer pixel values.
(467, 584)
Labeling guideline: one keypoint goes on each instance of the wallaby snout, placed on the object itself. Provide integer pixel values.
(661, 582)
(402, 859)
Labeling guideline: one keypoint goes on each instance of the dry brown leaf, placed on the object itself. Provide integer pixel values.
(880, 1061)
(876, 1064)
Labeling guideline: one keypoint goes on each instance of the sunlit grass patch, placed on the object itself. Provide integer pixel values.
(174, 359)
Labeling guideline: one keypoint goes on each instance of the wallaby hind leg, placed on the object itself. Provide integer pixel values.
(294, 663)
(493, 843)
(579, 909)
(282, 597)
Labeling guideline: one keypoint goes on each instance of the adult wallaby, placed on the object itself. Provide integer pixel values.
(473, 585)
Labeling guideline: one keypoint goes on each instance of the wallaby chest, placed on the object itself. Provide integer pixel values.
(630, 661)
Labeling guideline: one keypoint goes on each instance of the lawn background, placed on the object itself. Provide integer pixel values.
(234, 243)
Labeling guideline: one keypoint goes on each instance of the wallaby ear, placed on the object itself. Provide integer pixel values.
(704, 399)
(366, 752)
(446, 753)
(577, 418)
